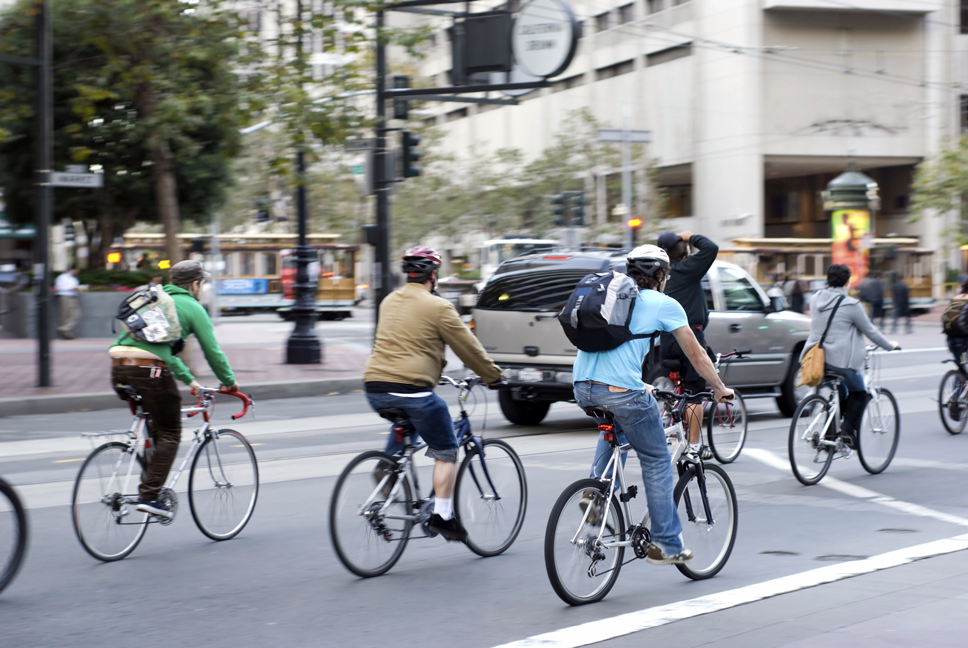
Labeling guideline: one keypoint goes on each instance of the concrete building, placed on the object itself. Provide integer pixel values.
(755, 105)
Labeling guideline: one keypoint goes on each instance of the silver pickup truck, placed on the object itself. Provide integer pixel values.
(515, 320)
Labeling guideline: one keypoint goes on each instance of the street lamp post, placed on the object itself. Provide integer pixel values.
(303, 346)
(44, 206)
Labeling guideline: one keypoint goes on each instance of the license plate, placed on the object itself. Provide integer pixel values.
(530, 375)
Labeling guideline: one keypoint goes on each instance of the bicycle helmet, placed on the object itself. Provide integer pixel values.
(646, 260)
(419, 263)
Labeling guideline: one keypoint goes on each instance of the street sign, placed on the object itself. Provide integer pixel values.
(359, 169)
(77, 180)
(359, 144)
(620, 135)
(545, 37)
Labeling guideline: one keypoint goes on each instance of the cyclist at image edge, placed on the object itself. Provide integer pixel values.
(406, 364)
(953, 321)
(151, 369)
(613, 380)
(844, 347)
(685, 286)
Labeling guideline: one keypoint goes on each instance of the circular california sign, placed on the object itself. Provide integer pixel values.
(545, 37)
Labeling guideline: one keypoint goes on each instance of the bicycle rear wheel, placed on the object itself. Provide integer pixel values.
(879, 432)
(952, 403)
(369, 540)
(223, 484)
(726, 428)
(13, 533)
(709, 533)
(579, 568)
(491, 497)
(103, 505)
(809, 457)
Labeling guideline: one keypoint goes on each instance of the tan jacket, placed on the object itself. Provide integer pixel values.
(409, 348)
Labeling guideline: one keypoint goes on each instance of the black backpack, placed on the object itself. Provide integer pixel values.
(954, 320)
(597, 314)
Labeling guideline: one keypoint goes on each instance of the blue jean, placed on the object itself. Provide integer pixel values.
(636, 417)
(430, 419)
(853, 381)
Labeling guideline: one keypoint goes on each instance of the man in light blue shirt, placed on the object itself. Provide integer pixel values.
(612, 380)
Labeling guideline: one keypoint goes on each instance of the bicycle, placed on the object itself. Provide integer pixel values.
(585, 545)
(815, 435)
(373, 508)
(953, 397)
(13, 533)
(223, 483)
(726, 423)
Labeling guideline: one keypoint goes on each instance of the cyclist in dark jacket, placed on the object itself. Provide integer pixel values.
(685, 286)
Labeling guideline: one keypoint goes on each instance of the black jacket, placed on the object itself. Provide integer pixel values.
(684, 281)
(902, 302)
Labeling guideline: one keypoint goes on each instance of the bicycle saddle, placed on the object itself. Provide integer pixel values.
(394, 414)
(599, 413)
(672, 365)
(127, 393)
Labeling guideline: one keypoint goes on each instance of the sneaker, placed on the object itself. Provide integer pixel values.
(154, 507)
(452, 529)
(589, 497)
(706, 453)
(658, 557)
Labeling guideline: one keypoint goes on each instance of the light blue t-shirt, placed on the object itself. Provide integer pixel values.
(622, 366)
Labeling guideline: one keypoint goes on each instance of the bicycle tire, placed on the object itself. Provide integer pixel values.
(492, 524)
(107, 510)
(17, 516)
(953, 410)
(567, 563)
(728, 423)
(223, 504)
(799, 443)
(345, 517)
(879, 434)
(711, 544)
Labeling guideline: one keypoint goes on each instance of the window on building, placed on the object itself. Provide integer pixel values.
(247, 264)
(655, 6)
(669, 54)
(567, 84)
(626, 13)
(614, 70)
(964, 17)
(680, 200)
(271, 264)
(964, 113)
(457, 114)
(602, 22)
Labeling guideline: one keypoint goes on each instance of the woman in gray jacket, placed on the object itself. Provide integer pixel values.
(844, 347)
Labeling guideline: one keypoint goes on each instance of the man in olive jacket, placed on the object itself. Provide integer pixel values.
(406, 364)
(151, 368)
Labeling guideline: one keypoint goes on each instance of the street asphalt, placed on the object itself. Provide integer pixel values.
(279, 583)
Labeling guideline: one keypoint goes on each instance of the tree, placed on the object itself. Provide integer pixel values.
(144, 90)
(941, 185)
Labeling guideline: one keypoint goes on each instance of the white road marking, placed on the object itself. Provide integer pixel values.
(625, 624)
(852, 490)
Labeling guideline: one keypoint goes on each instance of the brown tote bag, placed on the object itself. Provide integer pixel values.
(811, 367)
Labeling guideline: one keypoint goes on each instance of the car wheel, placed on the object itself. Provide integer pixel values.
(790, 395)
(522, 412)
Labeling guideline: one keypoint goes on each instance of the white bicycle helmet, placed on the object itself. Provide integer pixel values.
(646, 260)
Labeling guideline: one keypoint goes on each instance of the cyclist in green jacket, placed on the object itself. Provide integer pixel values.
(151, 369)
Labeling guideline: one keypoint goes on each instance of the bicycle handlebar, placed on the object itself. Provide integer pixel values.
(690, 398)
(734, 352)
(205, 394)
(468, 383)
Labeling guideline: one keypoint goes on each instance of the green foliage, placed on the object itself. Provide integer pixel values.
(101, 279)
(941, 185)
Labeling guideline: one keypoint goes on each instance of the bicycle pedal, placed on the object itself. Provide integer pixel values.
(632, 492)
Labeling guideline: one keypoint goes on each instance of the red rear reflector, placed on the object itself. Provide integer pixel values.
(147, 443)
(609, 436)
(558, 257)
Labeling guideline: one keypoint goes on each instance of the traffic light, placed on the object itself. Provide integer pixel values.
(401, 107)
(558, 209)
(578, 210)
(634, 224)
(410, 154)
(370, 235)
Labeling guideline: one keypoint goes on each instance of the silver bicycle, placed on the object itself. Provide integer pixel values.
(815, 432)
(591, 523)
(223, 482)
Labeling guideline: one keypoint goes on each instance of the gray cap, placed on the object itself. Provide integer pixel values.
(184, 273)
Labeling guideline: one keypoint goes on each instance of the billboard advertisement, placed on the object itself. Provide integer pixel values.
(848, 228)
(243, 286)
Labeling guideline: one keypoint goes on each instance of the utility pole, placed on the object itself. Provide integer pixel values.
(303, 346)
(627, 137)
(381, 183)
(42, 179)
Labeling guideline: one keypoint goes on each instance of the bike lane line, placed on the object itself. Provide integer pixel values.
(625, 624)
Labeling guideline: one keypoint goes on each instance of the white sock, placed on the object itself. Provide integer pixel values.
(695, 446)
(444, 507)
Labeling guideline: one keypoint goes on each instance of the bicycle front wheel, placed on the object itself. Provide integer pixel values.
(726, 428)
(13, 533)
(103, 505)
(953, 404)
(706, 502)
(491, 497)
(879, 432)
(810, 457)
(368, 536)
(223, 484)
(581, 567)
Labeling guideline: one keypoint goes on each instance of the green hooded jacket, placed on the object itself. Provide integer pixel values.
(193, 319)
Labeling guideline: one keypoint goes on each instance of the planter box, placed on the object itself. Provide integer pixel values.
(97, 315)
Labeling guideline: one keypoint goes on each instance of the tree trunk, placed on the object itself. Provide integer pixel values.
(166, 195)
(99, 259)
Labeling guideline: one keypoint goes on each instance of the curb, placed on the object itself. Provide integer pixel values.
(87, 402)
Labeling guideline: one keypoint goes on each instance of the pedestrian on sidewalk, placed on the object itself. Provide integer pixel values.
(872, 294)
(902, 305)
(68, 301)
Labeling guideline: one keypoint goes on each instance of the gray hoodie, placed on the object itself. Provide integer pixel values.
(844, 346)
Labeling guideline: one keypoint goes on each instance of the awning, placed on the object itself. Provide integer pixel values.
(9, 231)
